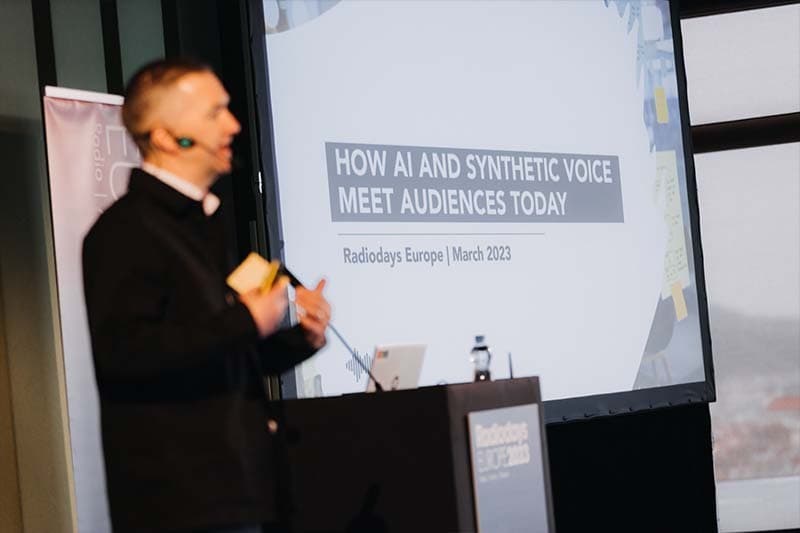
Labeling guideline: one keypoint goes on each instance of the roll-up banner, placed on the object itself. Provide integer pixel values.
(89, 157)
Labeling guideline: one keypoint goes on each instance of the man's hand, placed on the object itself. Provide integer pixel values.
(267, 308)
(314, 312)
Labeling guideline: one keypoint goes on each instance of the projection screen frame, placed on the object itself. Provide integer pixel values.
(556, 411)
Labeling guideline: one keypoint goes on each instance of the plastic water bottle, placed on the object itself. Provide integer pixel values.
(481, 357)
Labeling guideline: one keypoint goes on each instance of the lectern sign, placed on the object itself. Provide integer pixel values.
(508, 474)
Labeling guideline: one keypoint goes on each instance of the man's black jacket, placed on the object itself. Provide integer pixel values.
(175, 353)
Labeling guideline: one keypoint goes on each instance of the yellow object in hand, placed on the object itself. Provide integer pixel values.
(254, 272)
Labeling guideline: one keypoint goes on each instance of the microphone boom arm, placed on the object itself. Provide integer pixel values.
(295, 282)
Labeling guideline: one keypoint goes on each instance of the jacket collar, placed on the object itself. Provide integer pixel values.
(142, 182)
(209, 200)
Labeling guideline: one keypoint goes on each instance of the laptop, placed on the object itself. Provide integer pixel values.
(397, 366)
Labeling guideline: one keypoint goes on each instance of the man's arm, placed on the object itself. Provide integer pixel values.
(283, 350)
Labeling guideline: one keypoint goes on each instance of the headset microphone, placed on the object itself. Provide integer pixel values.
(184, 142)
(188, 142)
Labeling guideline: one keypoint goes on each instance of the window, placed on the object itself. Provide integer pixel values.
(743, 65)
(750, 221)
(739, 66)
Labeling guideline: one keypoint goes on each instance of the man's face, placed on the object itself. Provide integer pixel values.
(197, 107)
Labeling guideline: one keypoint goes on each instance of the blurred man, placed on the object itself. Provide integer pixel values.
(178, 356)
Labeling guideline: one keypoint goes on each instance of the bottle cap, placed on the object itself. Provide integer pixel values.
(479, 339)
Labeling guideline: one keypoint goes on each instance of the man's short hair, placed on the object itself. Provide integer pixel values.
(143, 91)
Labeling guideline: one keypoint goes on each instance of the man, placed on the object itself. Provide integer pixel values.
(178, 356)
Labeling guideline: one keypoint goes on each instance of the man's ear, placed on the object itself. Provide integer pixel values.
(162, 140)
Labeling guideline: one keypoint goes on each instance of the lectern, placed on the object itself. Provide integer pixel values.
(400, 461)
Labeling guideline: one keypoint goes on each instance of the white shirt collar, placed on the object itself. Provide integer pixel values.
(209, 199)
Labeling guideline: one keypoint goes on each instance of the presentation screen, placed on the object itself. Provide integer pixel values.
(515, 169)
